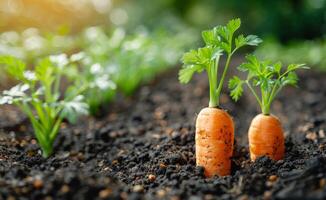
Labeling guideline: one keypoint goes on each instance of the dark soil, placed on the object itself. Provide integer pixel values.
(143, 148)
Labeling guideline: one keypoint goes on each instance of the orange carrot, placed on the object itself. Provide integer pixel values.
(265, 133)
(214, 127)
(266, 137)
(214, 141)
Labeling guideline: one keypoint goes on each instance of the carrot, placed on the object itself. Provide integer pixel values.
(214, 127)
(265, 134)
(214, 141)
(266, 137)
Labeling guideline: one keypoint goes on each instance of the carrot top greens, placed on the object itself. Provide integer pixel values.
(38, 96)
(218, 41)
(267, 76)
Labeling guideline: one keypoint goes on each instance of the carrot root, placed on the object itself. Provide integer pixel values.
(266, 138)
(214, 141)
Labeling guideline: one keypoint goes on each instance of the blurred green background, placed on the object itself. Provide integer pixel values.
(32, 28)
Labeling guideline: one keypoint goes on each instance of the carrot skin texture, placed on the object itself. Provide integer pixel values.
(214, 141)
(266, 137)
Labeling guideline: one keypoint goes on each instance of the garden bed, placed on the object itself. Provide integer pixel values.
(144, 148)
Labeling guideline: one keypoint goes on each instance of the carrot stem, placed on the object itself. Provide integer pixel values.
(212, 78)
(255, 94)
(220, 85)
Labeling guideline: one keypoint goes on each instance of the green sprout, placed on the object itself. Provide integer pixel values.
(219, 40)
(267, 76)
(38, 96)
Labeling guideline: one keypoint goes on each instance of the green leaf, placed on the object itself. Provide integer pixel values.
(226, 47)
(253, 40)
(190, 58)
(240, 41)
(208, 53)
(263, 82)
(60, 60)
(277, 67)
(15, 94)
(186, 73)
(252, 65)
(290, 79)
(14, 67)
(250, 40)
(211, 37)
(235, 85)
(222, 32)
(233, 25)
(293, 67)
(72, 109)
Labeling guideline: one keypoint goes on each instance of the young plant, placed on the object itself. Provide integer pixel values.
(38, 96)
(101, 89)
(265, 132)
(214, 127)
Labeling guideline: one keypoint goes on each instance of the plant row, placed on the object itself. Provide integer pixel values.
(63, 87)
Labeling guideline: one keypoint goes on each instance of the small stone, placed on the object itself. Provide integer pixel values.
(64, 189)
(321, 133)
(169, 131)
(322, 182)
(114, 162)
(80, 156)
(159, 114)
(272, 178)
(38, 184)
(151, 177)
(113, 134)
(209, 197)
(162, 166)
(101, 163)
(124, 195)
(311, 136)
(23, 143)
(269, 183)
(243, 197)
(138, 188)
(267, 195)
(306, 127)
(103, 194)
(175, 198)
(161, 193)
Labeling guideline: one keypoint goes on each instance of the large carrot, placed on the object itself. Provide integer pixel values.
(214, 141)
(265, 134)
(214, 127)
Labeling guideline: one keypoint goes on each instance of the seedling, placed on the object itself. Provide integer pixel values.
(38, 96)
(265, 133)
(101, 88)
(214, 127)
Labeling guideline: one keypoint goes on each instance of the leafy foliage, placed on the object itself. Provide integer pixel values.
(267, 76)
(38, 96)
(219, 41)
(128, 60)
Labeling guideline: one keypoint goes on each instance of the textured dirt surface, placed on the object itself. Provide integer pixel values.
(143, 148)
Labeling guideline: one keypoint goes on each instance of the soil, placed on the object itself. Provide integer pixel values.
(143, 148)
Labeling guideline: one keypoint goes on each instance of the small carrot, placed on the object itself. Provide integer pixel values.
(266, 137)
(265, 134)
(214, 126)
